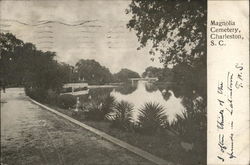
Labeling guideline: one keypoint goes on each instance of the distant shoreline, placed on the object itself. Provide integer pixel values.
(102, 86)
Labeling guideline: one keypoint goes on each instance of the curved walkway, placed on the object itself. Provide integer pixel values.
(32, 135)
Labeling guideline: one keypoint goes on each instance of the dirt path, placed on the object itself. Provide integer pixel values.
(32, 135)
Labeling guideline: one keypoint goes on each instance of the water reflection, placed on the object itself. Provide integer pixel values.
(146, 92)
(140, 94)
(126, 89)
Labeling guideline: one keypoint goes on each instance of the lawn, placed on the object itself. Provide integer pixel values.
(164, 144)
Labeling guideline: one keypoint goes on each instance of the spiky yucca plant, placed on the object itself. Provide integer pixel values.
(180, 123)
(122, 115)
(191, 124)
(98, 110)
(108, 104)
(151, 117)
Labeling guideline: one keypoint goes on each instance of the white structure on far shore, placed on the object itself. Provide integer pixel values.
(83, 86)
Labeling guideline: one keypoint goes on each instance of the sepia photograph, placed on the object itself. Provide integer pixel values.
(103, 82)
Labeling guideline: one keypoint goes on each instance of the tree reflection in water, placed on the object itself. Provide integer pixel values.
(172, 105)
(171, 97)
(126, 89)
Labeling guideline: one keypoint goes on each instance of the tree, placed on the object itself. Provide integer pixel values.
(152, 72)
(92, 72)
(124, 75)
(176, 29)
(167, 75)
(68, 71)
(22, 64)
(163, 74)
(9, 46)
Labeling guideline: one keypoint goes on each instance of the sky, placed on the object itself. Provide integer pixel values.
(78, 30)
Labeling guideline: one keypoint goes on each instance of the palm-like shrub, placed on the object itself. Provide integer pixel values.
(191, 124)
(121, 116)
(191, 127)
(108, 103)
(180, 123)
(100, 108)
(151, 117)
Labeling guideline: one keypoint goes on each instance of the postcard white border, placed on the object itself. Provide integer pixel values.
(223, 62)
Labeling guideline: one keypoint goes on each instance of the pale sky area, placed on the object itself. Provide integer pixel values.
(78, 30)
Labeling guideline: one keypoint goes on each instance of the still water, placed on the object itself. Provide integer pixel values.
(141, 93)
(172, 105)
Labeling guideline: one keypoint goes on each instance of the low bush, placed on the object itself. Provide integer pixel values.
(38, 94)
(94, 112)
(121, 117)
(108, 103)
(192, 126)
(66, 101)
(99, 108)
(191, 122)
(52, 97)
(151, 118)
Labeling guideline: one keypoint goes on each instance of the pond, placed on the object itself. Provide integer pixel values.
(139, 94)
(144, 93)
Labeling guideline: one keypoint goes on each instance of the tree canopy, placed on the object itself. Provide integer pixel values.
(124, 74)
(163, 74)
(152, 72)
(175, 28)
(22, 64)
(92, 72)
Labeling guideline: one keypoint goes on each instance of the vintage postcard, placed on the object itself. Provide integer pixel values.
(124, 82)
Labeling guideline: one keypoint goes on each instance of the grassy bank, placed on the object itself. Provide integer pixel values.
(163, 144)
